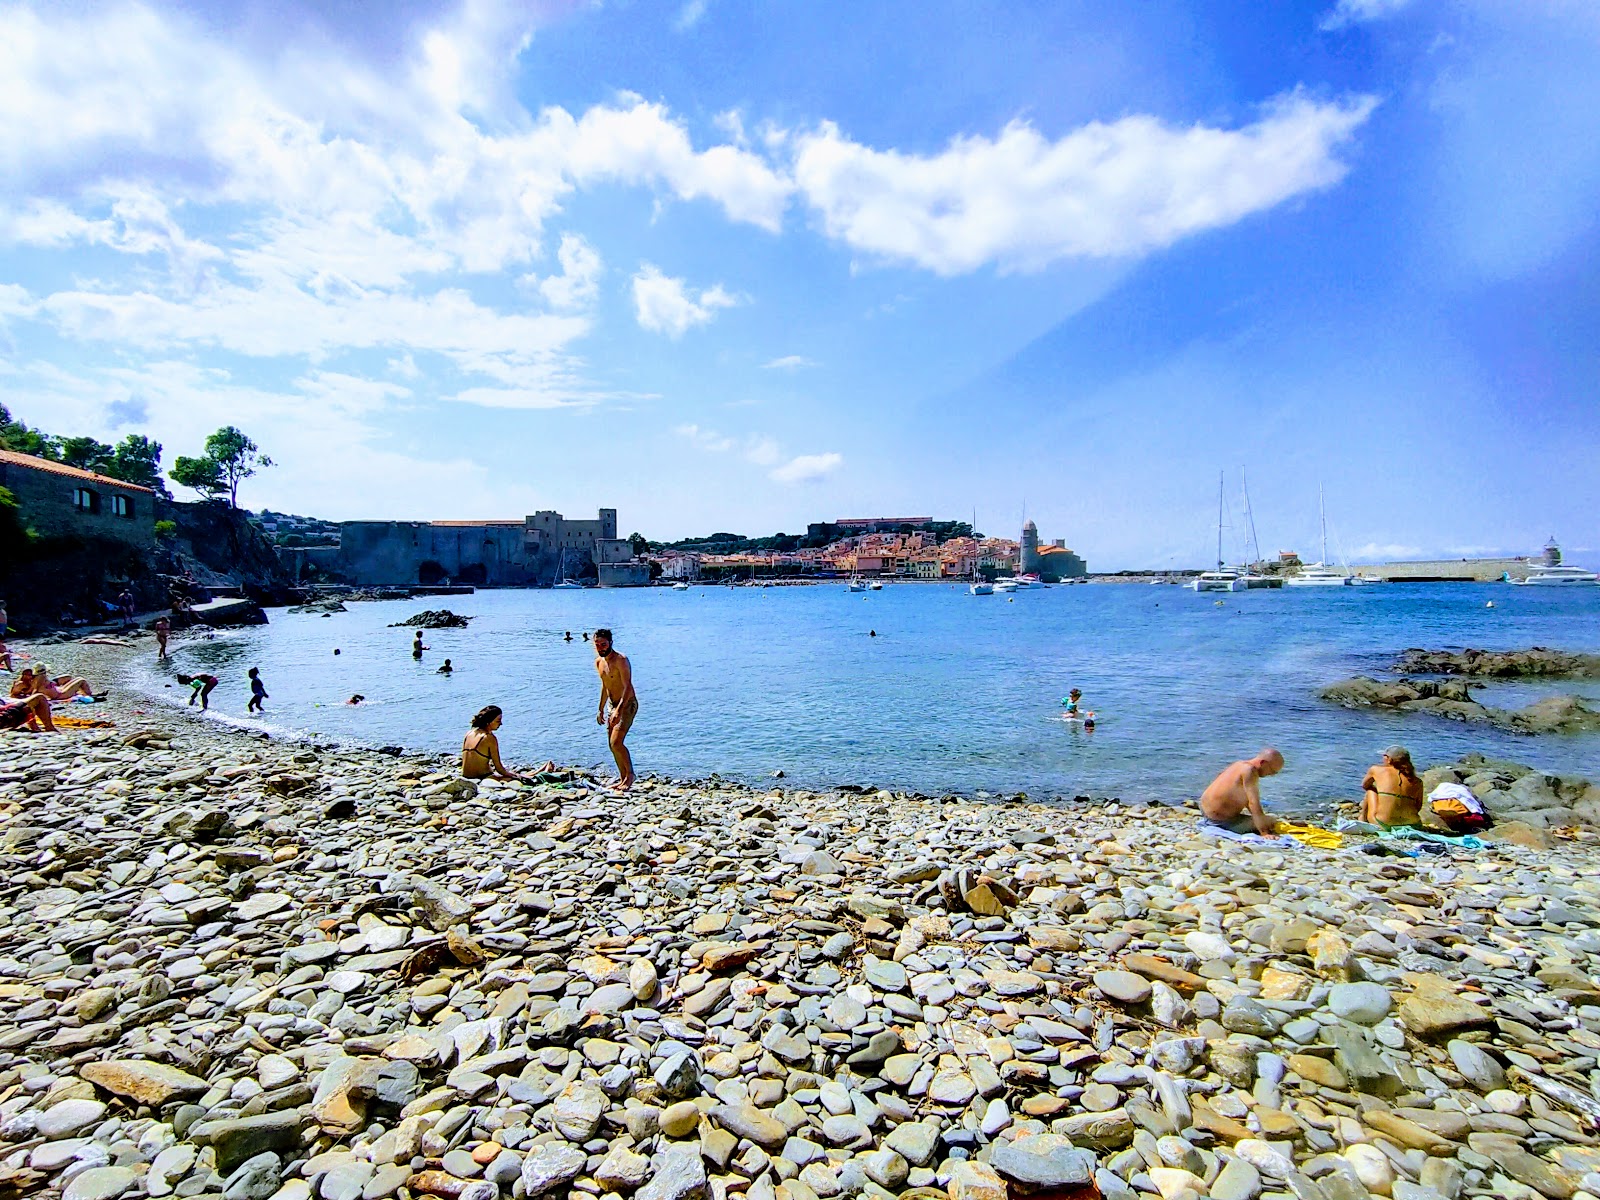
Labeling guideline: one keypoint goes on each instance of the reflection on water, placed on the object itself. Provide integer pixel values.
(955, 693)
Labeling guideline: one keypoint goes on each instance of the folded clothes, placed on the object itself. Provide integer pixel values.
(1311, 835)
(1465, 840)
(1211, 829)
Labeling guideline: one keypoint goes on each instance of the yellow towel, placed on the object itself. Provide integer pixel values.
(1311, 835)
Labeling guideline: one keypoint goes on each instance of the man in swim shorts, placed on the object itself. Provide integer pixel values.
(616, 688)
(1233, 800)
(32, 712)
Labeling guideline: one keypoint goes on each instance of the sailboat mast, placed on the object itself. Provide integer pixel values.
(1250, 516)
(1219, 519)
(1322, 509)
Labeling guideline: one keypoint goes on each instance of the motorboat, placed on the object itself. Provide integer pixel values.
(1558, 576)
(875, 586)
(1028, 583)
(1366, 578)
(680, 587)
(1005, 586)
(1218, 581)
(980, 588)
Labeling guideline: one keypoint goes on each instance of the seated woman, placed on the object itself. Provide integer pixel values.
(64, 687)
(22, 685)
(480, 749)
(1393, 793)
(32, 713)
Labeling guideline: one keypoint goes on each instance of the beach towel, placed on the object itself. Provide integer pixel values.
(1211, 829)
(1464, 841)
(83, 723)
(1311, 835)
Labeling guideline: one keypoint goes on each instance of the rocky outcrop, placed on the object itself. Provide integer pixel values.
(1500, 664)
(1452, 700)
(441, 618)
(1516, 794)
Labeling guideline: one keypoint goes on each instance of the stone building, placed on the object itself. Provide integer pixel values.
(1051, 563)
(538, 550)
(62, 501)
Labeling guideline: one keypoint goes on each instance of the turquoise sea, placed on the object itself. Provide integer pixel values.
(955, 693)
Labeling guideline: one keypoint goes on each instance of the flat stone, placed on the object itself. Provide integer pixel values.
(748, 1121)
(69, 1116)
(1124, 987)
(99, 1183)
(1433, 1010)
(680, 1174)
(153, 1084)
(1062, 1167)
(1362, 1003)
(551, 1165)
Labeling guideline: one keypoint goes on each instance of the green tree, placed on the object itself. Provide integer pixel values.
(14, 435)
(85, 453)
(639, 543)
(229, 460)
(137, 460)
(13, 535)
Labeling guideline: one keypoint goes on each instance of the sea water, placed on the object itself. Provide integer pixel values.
(955, 693)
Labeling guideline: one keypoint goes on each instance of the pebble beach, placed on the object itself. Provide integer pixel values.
(248, 968)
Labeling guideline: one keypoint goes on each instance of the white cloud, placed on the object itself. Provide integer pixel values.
(579, 282)
(1385, 551)
(807, 468)
(1021, 201)
(690, 15)
(663, 304)
(789, 362)
(756, 448)
(706, 439)
(1358, 12)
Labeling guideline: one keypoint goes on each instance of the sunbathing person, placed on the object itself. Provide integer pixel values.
(32, 713)
(480, 749)
(62, 687)
(1233, 800)
(1392, 792)
(22, 685)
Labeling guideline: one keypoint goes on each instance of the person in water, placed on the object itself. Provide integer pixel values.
(480, 749)
(356, 699)
(568, 638)
(417, 647)
(1392, 792)
(258, 690)
(200, 688)
(1233, 800)
(1071, 702)
(616, 689)
(446, 669)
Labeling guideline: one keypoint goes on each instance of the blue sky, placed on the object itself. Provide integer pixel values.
(735, 265)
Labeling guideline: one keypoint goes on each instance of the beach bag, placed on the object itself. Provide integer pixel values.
(1457, 809)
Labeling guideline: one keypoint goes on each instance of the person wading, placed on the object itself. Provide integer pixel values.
(616, 689)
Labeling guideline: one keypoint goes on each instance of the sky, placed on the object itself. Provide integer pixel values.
(746, 264)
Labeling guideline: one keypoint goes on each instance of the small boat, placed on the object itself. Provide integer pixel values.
(980, 588)
(856, 584)
(567, 585)
(1005, 586)
(680, 587)
(875, 586)
(1028, 583)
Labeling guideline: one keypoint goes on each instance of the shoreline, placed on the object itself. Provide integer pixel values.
(238, 966)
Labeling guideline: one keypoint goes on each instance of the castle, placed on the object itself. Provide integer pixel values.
(537, 551)
(1051, 563)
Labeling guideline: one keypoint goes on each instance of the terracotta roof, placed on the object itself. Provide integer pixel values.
(55, 468)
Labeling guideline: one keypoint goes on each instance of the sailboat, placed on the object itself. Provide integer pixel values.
(1220, 580)
(1248, 574)
(1320, 574)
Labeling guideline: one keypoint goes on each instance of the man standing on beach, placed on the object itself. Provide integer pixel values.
(1233, 800)
(616, 688)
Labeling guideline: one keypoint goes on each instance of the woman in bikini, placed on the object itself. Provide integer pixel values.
(1393, 793)
(480, 749)
(64, 687)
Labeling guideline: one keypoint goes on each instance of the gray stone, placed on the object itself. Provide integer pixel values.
(1362, 1003)
(550, 1166)
(1477, 1066)
(1060, 1169)
(69, 1116)
(915, 1141)
(680, 1174)
(99, 1183)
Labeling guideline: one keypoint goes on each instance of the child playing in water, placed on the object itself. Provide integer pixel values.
(200, 688)
(258, 691)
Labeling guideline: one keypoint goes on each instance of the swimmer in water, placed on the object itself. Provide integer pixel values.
(356, 699)
(446, 669)
(1071, 702)
(417, 647)
(568, 638)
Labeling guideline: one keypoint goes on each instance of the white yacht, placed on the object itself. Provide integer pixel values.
(876, 585)
(1320, 574)
(1559, 577)
(1004, 586)
(680, 586)
(979, 588)
(1218, 581)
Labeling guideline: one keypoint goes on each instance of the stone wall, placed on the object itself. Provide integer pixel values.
(45, 494)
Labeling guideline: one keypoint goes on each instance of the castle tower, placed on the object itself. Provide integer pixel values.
(1030, 549)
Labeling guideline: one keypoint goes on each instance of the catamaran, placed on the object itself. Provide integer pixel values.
(1320, 574)
(1222, 579)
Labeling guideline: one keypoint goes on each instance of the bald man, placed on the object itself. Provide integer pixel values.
(1234, 798)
